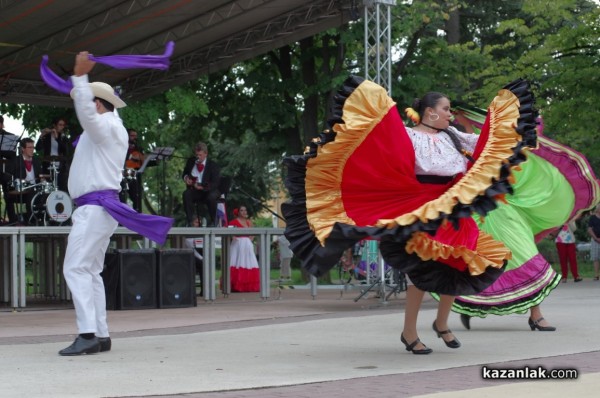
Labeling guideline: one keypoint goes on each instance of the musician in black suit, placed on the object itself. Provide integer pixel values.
(202, 177)
(53, 142)
(25, 169)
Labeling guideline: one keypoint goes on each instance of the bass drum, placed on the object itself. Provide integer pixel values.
(54, 208)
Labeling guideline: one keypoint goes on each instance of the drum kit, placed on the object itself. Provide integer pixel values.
(49, 205)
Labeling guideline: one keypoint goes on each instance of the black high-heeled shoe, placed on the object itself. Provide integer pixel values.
(411, 346)
(466, 321)
(536, 325)
(452, 343)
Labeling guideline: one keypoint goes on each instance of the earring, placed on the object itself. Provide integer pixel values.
(430, 117)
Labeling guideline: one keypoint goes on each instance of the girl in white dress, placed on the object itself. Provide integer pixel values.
(244, 271)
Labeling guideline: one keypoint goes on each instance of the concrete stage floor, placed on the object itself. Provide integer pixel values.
(297, 346)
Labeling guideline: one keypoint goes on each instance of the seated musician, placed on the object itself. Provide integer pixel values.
(202, 177)
(133, 162)
(25, 171)
(53, 145)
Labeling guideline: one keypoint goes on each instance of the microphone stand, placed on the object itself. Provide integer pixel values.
(258, 202)
(19, 208)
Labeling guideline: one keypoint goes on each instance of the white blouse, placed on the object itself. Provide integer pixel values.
(435, 154)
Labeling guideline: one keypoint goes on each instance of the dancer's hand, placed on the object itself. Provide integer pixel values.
(83, 64)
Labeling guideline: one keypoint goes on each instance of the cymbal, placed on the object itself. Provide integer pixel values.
(53, 158)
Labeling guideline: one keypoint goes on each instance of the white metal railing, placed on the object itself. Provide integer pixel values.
(15, 240)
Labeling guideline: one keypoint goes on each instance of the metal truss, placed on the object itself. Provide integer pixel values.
(378, 38)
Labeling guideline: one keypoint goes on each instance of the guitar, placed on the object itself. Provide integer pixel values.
(134, 159)
(198, 185)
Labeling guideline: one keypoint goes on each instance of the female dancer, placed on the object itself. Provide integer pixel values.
(367, 178)
(555, 185)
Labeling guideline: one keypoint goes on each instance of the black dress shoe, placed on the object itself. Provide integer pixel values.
(466, 321)
(536, 325)
(82, 346)
(411, 347)
(105, 344)
(450, 344)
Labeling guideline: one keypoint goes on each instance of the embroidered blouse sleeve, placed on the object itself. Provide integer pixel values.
(467, 140)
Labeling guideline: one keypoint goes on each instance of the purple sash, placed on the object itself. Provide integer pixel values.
(116, 61)
(152, 227)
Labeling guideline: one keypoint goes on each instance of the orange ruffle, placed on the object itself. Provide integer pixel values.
(363, 110)
(489, 252)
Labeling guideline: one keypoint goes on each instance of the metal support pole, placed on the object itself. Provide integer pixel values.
(264, 267)
(22, 276)
(377, 42)
(14, 272)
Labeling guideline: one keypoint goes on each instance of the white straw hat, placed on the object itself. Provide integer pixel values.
(106, 92)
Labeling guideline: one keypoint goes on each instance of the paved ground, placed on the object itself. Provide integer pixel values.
(297, 346)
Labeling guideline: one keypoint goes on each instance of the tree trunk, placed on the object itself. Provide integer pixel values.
(284, 62)
(453, 27)
(310, 114)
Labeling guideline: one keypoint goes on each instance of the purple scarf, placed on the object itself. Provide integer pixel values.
(152, 227)
(116, 61)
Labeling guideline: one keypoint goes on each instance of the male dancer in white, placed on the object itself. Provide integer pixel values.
(97, 167)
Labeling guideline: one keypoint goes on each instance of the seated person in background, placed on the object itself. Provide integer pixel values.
(53, 142)
(202, 177)
(24, 171)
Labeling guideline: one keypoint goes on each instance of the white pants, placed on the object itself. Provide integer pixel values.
(84, 261)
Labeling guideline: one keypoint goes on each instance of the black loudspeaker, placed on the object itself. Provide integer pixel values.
(137, 282)
(130, 279)
(176, 278)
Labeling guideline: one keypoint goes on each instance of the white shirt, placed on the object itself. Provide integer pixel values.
(30, 175)
(198, 174)
(435, 154)
(53, 146)
(101, 149)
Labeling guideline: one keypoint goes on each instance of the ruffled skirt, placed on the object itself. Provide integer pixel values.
(358, 181)
(554, 186)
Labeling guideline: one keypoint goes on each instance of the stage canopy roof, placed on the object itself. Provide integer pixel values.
(209, 35)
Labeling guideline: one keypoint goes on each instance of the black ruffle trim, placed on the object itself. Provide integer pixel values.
(434, 277)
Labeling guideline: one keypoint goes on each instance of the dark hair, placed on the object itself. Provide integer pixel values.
(429, 100)
(24, 141)
(129, 130)
(110, 107)
(58, 119)
(1, 119)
